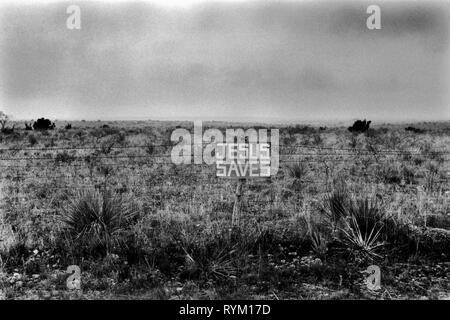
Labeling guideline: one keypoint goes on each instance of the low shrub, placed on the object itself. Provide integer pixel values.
(363, 227)
(64, 157)
(32, 140)
(43, 124)
(96, 222)
(336, 205)
(360, 126)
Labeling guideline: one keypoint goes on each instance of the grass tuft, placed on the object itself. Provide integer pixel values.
(95, 221)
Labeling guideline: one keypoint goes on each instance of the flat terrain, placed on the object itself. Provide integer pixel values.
(105, 196)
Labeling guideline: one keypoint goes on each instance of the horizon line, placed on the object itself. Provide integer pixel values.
(274, 121)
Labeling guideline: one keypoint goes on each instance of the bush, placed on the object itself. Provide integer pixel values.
(8, 130)
(32, 140)
(96, 222)
(360, 126)
(390, 174)
(319, 244)
(415, 130)
(409, 174)
(363, 227)
(336, 205)
(64, 157)
(43, 124)
(298, 171)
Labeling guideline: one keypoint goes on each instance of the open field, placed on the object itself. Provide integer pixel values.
(160, 231)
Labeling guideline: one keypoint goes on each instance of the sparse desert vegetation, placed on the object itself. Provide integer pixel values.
(106, 197)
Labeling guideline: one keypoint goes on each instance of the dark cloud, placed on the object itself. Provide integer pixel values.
(292, 60)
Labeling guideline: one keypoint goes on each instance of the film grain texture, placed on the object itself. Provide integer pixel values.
(242, 149)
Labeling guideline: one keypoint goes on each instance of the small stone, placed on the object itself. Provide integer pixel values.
(19, 284)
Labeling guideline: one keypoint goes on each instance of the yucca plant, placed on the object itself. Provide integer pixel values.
(319, 244)
(298, 171)
(222, 266)
(363, 227)
(95, 221)
(216, 263)
(337, 205)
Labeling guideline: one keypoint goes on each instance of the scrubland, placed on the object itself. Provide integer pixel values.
(108, 199)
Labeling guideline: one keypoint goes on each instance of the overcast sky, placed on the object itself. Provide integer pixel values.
(235, 60)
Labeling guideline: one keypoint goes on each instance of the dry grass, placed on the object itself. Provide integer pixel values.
(182, 223)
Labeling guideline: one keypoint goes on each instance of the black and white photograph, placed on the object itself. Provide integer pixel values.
(238, 150)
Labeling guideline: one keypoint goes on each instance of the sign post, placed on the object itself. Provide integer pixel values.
(237, 203)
